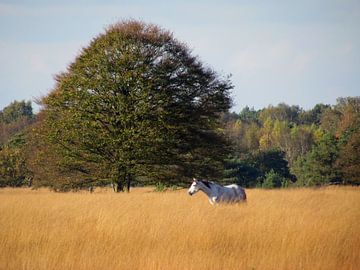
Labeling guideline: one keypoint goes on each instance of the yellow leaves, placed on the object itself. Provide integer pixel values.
(237, 126)
(318, 134)
(265, 142)
(265, 139)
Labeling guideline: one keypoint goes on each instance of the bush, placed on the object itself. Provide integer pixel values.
(160, 187)
(273, 180)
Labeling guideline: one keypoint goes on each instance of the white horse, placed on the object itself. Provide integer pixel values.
(216, 193)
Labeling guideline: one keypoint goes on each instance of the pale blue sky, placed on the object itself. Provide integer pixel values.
(297, 52)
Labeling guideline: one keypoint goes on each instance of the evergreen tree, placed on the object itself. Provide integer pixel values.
(318, 166)
(253, 169)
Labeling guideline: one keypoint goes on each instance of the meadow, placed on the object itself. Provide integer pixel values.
(274, 229)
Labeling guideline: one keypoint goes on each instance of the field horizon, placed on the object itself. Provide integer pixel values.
(274, 229)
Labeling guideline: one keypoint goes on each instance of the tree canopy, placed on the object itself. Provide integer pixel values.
(137, 103)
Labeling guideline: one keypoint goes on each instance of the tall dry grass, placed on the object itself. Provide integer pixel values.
(275, 229)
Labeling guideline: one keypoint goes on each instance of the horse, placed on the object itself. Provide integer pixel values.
(217, 193)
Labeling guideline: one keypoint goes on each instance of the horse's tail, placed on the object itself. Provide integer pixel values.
(243, 193)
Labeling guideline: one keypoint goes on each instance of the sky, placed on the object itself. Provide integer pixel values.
(298, 52)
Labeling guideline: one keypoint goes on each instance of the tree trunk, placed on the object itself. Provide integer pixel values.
(30, 180)
(117, 186)
(128, 182)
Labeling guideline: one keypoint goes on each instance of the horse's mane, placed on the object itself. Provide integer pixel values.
(207, 183)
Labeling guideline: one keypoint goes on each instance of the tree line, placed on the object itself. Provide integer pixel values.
(277, 146)
(285, 145)
(137, 108)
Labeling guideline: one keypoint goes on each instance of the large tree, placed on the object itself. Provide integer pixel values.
(137, 103)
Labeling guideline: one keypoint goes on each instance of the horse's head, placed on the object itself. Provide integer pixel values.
(194, 187)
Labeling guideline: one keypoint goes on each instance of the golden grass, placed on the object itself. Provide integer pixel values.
(275, 229)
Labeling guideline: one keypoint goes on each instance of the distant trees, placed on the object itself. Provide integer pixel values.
(14, 119)
(320, 145)
(317, 167)
(137, 104)
(253, 169)
(349, 159)
(282, 112)
(314, 115)
(335, 156)
(13, 169)
(15, 111)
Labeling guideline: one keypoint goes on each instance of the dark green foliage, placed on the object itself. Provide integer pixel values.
(317, 167)
(134, 104)
(313, 116)
(249, 115)
(253, 170)
(272, 180)
(272, 160)
(241, 171)
(229, 117)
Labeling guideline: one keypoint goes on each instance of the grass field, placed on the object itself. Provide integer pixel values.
(275, 229)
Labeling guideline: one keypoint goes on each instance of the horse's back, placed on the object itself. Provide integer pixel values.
(239, 191)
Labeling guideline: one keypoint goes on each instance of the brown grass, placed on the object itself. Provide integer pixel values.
(276, 229)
